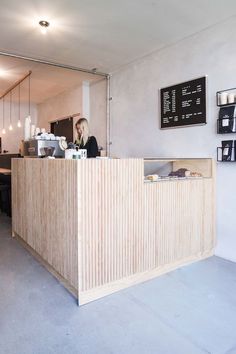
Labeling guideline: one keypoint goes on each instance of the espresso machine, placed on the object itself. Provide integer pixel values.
(42, 148)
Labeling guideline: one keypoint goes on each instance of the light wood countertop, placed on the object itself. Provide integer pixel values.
(5, 171)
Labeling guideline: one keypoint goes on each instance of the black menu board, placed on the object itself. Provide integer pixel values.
(184, 104)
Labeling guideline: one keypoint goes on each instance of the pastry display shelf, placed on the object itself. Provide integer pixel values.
(163, 166)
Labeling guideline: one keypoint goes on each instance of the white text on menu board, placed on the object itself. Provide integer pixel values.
(169, 99)
(186, 91)
(189, 102)
(169, 105)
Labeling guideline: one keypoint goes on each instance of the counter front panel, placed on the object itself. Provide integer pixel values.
(102, 228)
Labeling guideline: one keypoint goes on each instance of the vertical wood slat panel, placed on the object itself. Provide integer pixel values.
(112, 219)
(106, 227)
(143, 227)
(44, 203)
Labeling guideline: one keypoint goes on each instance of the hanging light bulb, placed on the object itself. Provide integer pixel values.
(3, 116)
(29, 97)
(29, 104)
(10, 126)
(19, 122)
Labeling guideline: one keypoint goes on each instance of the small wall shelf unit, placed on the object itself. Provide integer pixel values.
(226, 124)
(230, 156)
(226, 97)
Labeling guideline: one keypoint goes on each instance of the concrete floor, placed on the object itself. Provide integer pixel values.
(189, 311)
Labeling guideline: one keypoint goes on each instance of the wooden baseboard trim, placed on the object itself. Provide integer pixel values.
(108, 289)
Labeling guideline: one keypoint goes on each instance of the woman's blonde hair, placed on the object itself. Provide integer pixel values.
(84, 127)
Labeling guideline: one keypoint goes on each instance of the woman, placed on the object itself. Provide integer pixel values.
(84, 141)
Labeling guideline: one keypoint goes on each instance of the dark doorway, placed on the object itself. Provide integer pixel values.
(63, 127)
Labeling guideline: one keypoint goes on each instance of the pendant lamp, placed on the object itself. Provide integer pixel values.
(19, 121)
(3, 116)
(29, 97)
(10, 126)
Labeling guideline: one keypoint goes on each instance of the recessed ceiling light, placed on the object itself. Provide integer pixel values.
(44, 26)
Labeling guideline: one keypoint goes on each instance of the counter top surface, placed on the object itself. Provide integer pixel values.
(148, 159)
(5, 171)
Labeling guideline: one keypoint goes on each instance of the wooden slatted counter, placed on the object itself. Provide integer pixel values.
(99, 228)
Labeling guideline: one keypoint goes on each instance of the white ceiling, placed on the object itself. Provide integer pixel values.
(104, 34)
(46, 80)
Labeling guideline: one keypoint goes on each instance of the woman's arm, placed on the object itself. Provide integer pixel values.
(93, 147)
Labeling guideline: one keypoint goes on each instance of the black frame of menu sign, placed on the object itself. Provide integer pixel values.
(184, 104)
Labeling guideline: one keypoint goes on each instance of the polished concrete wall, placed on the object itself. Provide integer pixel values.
(135, 112)
(98, 111)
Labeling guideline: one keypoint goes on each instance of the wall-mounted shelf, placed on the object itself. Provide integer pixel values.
(226, 126)
(229, 157)
(224, 97)
(226, 104)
